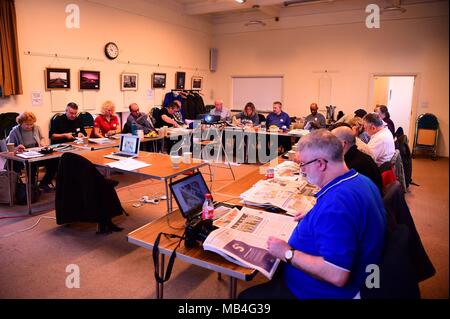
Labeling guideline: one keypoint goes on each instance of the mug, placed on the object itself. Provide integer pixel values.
(291, 155)
(187, 157)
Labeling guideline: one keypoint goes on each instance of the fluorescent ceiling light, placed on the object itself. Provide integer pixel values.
(240, 1)
(255, 22)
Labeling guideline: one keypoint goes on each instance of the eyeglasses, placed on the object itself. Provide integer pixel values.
(312, 161)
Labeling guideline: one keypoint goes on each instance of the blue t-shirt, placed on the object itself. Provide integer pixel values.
(346, 227)
(278, 120)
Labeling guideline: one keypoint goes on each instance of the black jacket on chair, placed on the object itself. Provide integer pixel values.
(82, 193)
(398, 213)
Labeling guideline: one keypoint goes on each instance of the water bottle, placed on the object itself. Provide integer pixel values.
(134, 129)
(208, 207)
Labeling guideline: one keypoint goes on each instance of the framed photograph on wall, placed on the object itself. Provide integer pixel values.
(129, 81)
(57, 78)
(158, 80)
(180, 78)
(89, 80)
(196, 83)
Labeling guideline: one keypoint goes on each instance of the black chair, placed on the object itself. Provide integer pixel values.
(86, 118)
(261, 118)
(7, 122)
(85, 195)
(52, 120)
(126, 128)
(155, 115)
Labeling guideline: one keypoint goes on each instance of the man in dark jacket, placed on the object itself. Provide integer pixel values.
(354, 158)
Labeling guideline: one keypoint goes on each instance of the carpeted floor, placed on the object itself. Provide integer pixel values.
(33, 263)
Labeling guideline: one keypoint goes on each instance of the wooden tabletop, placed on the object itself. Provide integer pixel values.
(161, 165)
(146, 235)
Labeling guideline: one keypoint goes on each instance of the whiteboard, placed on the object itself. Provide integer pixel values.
(262, 91)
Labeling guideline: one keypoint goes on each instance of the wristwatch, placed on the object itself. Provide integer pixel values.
(288, 255)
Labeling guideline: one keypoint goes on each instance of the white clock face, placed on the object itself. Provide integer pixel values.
(111, 50)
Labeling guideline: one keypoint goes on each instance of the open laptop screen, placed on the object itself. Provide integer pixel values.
(129, 144)
(189, 193)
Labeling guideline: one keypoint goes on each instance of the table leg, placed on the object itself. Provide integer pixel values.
(233, 288)
(28, 188)
(9, 167)
(169, 200)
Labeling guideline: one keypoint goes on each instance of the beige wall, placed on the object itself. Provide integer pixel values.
(155, 36)
(411, 46)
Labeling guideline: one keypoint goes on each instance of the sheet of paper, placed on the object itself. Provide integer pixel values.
(128, 164)
(36, 98)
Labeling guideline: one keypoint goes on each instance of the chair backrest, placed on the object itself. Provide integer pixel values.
(52, 119)
(126, 128)
(7, 122)
(427, 121)
(209, 107)
(155, 114)
(261, 117)
(86, 118)
(402, 145)
(397, 164)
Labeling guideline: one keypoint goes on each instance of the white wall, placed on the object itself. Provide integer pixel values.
(154, 35)
(418, 45)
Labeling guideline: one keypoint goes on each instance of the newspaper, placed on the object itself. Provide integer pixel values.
(242, 238)
(293, 196)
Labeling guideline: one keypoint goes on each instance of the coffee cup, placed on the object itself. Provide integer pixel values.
(85, 140)
(140, 133)
(176, 159)
(291, 155)
(294, 147)
(10, 147)
(187, 157)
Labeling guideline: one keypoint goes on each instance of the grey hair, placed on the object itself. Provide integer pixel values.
(322, 142)
(345, 134)
(373, 118)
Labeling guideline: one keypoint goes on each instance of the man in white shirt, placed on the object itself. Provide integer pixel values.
(219, 109)
(381, 140)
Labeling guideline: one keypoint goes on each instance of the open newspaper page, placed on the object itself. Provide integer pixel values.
(242, 238)
(291, 195)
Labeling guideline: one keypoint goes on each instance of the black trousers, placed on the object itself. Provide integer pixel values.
(274, 289)
(51, 167)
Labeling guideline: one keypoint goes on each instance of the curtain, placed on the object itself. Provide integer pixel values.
(10, 79)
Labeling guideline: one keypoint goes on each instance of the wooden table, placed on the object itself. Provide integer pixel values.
(160, 168)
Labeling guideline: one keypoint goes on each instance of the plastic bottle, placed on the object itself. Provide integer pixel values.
(134, 129)
(208, 207)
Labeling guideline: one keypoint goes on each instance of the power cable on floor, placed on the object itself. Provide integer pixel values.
(29, 228)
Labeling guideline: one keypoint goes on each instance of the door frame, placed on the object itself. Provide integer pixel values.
(414, 102)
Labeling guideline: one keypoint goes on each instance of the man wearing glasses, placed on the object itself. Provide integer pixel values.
(67, 127)
(328, 252)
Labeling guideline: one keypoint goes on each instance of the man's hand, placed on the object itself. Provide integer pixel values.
(299, 215)
(277, 247)
(80, 134)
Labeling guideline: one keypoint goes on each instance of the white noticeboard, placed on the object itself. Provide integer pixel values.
(262, 91)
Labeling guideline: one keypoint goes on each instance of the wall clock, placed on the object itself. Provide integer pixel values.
(111, 50)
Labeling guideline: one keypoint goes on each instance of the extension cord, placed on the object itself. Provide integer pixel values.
(146, 199)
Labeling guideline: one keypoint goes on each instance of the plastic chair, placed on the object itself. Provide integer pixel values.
(7, 122)
(426, 134)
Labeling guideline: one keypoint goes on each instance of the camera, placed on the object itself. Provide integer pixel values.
(197, 230)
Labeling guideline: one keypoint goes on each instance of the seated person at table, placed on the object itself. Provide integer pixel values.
(167, 117)
(106, 123)
(66, 127)
(356, 159)
(178, 115)
(381, 140)
(328, 252)
(278, 117)
(140, 119)
(26, 135)
(314, 120)
(248, 116)
(223, 112)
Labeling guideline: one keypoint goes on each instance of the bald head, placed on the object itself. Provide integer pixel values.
(218, 104)
(345, 135)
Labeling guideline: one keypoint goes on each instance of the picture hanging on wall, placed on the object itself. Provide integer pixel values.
(89, 80)
(158, 80)
(129, 81)
(197, 82)
(180, 78)
(57, 78)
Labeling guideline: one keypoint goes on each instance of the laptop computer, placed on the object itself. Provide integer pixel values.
(189, 193)
(128, 148)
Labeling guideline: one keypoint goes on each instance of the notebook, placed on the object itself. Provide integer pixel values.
(128, 148)
(189, 193)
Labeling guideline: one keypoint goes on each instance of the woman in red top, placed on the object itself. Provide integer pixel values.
(106, 123)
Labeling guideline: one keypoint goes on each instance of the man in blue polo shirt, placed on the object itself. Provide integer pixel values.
(329, 250)
(280, 119)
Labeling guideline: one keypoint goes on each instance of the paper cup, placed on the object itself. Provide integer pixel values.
(187, 157)
(10, 147)
(176, 159)
(140, 133)
(291, 155)
(85, 140)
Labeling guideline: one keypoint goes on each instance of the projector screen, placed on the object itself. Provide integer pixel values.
(262, 91)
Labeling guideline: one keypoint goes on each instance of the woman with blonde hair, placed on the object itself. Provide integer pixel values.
(26, 134)
(106, 123)
(248, 115)
(361, 137)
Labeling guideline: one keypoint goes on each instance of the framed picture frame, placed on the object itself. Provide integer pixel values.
(89, 80)
(129, 81)
(180, 79)
(57, 78)
(196, 83)
(158, 80)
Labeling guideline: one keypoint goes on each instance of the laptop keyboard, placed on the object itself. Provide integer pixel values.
(123, 155)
